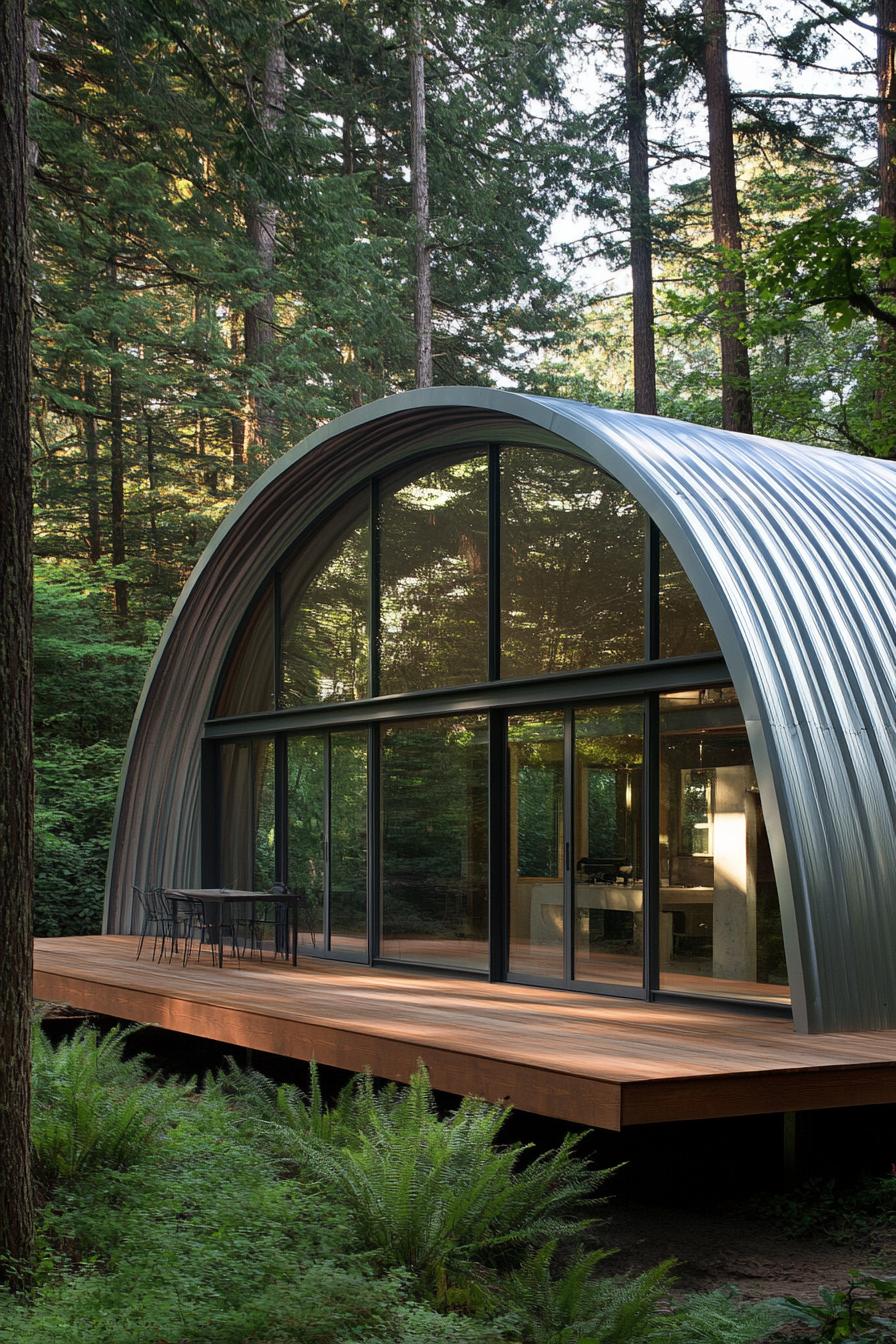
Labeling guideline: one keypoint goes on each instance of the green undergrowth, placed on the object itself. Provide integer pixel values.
(844, 1213)
(238, 1212)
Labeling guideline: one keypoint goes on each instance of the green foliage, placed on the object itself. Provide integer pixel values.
(864, 1310)
(719, 1317)
(87, 682)
(843, 1213)
(91, 1108)
(562, 1308)
(438, 1197)
(199, 1217)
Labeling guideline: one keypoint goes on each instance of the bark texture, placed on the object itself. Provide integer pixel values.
(885, 396)
(737, 400)
(16, 752)
(116, 461)
(261, 225)
(640, 245)
(420, 205)
(91, 463)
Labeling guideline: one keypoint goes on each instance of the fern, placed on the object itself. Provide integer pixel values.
(436, 1196)
(720, 1317)
(574, 1307)
(91, 1107)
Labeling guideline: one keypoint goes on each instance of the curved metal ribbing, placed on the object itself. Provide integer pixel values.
(792, 551)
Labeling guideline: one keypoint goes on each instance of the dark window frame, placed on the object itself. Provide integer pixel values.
(643, 681)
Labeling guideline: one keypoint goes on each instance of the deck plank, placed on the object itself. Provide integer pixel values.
(584, 1058)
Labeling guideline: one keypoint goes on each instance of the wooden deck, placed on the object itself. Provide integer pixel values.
(593, 1060)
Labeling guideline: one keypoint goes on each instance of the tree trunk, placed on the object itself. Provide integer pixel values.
(885, 395)
(640, 246)
(116, 462)
(261, 224)
(420, 204)
(16, 749)
(91, 458)
(737, 401)
(237, 422)
(152, 482)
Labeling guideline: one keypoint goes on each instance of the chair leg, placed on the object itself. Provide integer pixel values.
(142, 936)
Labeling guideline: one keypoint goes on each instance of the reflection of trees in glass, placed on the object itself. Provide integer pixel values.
(325, 623)
(540, 817)
(348, 834)
(572, 563)
(603, 820)
(434, 579)
(249, 679)
(435, 835)
(247, 815)
(264, 875)
(535, 743)
(305, 812)
(684, 625)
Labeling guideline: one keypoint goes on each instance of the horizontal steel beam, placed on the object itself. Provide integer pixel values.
(674, 674)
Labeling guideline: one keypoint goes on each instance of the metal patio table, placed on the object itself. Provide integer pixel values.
(217, 897)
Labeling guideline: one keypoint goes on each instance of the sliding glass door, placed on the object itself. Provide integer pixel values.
(434, 833)
(326, 838)
(570, 896)
(608, 845)
(575, 839)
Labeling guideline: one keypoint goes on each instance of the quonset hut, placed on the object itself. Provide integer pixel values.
(536, 691)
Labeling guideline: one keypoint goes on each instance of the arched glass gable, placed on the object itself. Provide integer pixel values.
(486, 567)
(562, 546)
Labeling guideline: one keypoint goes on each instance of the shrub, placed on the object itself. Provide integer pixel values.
(436, 1196)
(92, 1108)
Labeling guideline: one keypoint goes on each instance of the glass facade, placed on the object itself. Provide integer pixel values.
(250, 676)
(434, 579)
(306, 827)
(684, 625)
(247, 827)
(720, 923)
(324, 619)
(609, 844)
(501, 829)
(348, 843)
(572, 566)
(536, 795)
(434, 865)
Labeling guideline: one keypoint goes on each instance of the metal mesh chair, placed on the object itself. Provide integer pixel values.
(210, 930)
(156, 919)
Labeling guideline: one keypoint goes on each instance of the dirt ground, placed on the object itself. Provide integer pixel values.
(719, 1246)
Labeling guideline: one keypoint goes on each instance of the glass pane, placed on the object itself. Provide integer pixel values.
(248, 683)
(535, 748)
(684, 625)
(324, 599)
(572, 566)
(305, 830)
(609, 937)
(434, 579)
(348, 843)
(247, 815)
(435, 842)
(720, 923)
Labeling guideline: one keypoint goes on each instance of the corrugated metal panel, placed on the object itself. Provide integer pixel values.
(793, 553)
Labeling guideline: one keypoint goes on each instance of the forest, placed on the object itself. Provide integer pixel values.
(224, 225)
(247, 219)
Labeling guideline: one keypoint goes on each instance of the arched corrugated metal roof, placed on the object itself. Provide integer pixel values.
(792, 551)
